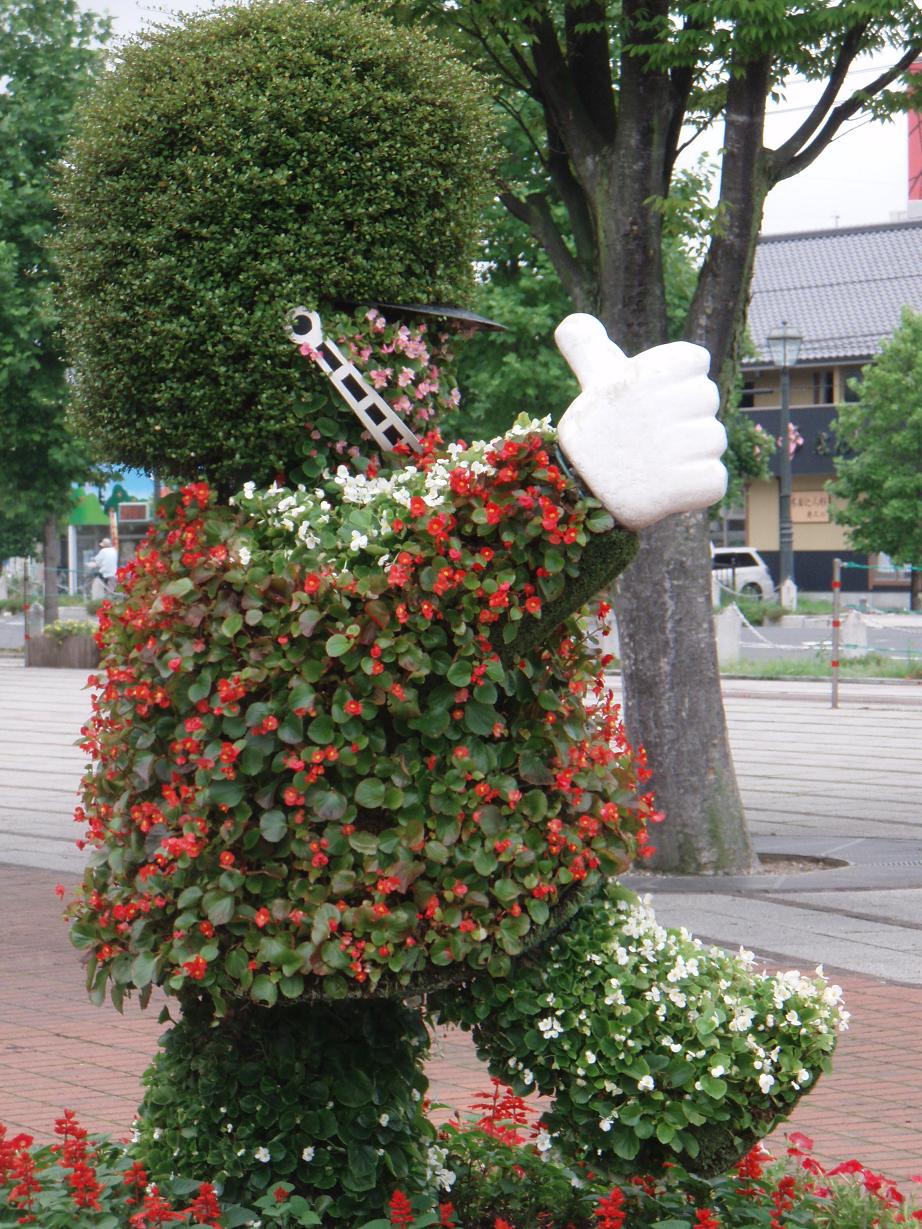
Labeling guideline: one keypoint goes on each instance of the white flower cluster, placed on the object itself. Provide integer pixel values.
(436, 1169)
(307, 517)
(681, 1002)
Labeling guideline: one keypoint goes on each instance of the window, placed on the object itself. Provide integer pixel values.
(748, 395)
(848, 375)
(824, 387)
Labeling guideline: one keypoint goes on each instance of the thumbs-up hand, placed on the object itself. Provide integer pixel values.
(643, 434)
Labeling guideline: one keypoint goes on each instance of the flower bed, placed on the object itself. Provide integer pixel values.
(500, 1173)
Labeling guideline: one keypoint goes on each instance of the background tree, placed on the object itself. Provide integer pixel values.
(879, 473)
(608, 95)
(49, 51)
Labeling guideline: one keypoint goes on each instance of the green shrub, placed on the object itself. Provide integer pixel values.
(236, 165)
(652, 1045)
(64, 629)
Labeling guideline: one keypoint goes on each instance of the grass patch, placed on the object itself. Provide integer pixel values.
(871, 666)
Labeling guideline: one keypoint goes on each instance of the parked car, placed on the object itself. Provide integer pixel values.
(742, 570)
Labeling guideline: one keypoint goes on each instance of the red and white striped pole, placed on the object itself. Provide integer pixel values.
(836, 627)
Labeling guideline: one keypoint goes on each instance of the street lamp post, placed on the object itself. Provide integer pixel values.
(784, 346)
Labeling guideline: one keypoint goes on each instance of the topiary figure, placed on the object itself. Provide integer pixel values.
(350, 741)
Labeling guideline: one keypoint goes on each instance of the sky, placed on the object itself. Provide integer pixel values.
(860, 179)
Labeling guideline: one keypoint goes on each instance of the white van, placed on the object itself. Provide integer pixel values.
(742, 570)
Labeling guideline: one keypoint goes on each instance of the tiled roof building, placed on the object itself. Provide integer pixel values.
(843, 291)
(844, 288)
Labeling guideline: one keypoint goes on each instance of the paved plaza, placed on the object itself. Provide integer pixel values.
(844, 784)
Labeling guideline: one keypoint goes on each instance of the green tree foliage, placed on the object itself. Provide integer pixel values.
(879, 470)
(49, 51)
(236, 165)
(607, 96)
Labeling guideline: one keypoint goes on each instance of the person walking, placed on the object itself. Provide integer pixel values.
(104, 566)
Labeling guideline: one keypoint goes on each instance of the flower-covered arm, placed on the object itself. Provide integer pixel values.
(643, 437)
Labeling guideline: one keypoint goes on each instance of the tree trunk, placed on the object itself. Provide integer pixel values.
(52, 561)
(673, 703)
(915, 588)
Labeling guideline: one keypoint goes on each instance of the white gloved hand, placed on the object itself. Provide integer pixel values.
(643, 434)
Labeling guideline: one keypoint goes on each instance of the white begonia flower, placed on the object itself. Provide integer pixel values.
(718, 1070)
(156, 1132)
(605, 1124)
(589, 1058)
(527, 1077)
(543, 1142)
(384, 1119)
(766, 1082)
(804, 1076)
(262, 1154)
(358, 540)
(249, 489)
(550, 1027)
(307, 1154)
(646, 1083)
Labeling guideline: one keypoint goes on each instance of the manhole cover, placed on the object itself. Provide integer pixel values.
(796, 863)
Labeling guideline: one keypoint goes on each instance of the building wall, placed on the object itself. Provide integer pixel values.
(762, 518)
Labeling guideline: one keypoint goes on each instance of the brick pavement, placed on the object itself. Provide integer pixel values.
(57, 1050)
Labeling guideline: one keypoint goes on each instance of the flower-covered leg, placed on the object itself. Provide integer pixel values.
(325, 1096)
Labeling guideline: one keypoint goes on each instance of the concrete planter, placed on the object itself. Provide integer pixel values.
(73, 653)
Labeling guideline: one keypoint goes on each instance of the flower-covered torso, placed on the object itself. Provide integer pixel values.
(346, 736)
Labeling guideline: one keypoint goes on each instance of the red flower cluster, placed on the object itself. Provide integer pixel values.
(609, 1210)
(21, 1182)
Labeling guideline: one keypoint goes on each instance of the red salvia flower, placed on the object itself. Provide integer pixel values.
(400, 1210)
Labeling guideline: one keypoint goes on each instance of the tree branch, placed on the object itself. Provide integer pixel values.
(589, 59)
(535, 212)
(850, 48)
(718, 309)
(580, 137)
(839, 115)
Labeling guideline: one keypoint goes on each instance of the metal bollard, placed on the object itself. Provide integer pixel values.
(836, 627)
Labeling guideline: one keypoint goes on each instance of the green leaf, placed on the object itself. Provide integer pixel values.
(506, 890)
(273, 825)
(302, 696)
(370, 793)
(534, 804)
(459, 675)
(321, 730)
(225, 793)
(220, 908)
(479, 718)
(232, 625)
(713, 1086)
(180, 587)
(363, 842)
(337, 645)
(328, 805)
(264, 990)
(142, 968)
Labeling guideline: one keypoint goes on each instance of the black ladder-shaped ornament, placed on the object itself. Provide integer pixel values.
(381, 421)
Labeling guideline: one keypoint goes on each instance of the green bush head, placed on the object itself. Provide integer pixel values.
(232, 167)
(653, 1046)
(332, 764)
